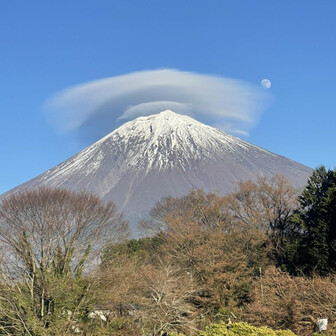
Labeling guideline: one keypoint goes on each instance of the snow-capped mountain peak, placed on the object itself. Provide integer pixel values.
(168, 140)
(165, 154)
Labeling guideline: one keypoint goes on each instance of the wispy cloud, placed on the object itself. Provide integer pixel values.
(94, 109)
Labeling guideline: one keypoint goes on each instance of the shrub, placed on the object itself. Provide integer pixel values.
(296, 303)
(242, 329)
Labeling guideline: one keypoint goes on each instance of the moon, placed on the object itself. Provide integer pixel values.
(266, 83)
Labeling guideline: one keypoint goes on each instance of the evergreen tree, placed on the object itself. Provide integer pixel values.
(328, 214)
(315, 223)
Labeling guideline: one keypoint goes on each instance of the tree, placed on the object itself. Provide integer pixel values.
(294, 302)
(316, 223)
(167, 300)
(202, 238)
(268, 205)
(206, 209)
(49, 240)
(157, 293)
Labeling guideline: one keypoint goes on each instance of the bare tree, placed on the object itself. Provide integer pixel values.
(166, 300)
(48, 238)
(155, 296)
(202, 237)
(284, 301)
(267, 204)
(206, 209)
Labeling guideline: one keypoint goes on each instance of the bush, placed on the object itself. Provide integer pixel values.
(296, 303)
(242, 329)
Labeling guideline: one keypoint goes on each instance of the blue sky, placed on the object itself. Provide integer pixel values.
(49, 46)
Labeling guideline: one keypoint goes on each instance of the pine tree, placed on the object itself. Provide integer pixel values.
(316, 225)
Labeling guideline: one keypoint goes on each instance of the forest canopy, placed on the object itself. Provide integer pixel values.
(263, 255)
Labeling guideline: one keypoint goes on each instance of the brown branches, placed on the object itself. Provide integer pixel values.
(48, 238)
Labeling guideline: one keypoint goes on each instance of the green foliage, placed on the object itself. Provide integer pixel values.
(314, 224)
(328, 333)
(52, 236)
(60, 297)
(242, 329)
(140, 248)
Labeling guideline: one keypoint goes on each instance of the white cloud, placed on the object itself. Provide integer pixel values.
(97, 107)
(149, 108)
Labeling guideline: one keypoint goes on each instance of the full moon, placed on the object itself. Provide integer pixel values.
(266, 83)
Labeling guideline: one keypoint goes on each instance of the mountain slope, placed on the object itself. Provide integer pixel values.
(165, 154)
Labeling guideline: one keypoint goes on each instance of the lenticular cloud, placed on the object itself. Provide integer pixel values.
(94, 109)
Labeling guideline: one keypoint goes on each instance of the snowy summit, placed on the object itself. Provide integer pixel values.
(165, 154)
(169, 140)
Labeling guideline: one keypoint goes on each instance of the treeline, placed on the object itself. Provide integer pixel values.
(262, 254)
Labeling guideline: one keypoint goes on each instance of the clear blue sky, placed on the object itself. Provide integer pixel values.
(46, 46)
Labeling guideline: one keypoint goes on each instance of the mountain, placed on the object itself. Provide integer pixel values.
(166, 154)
